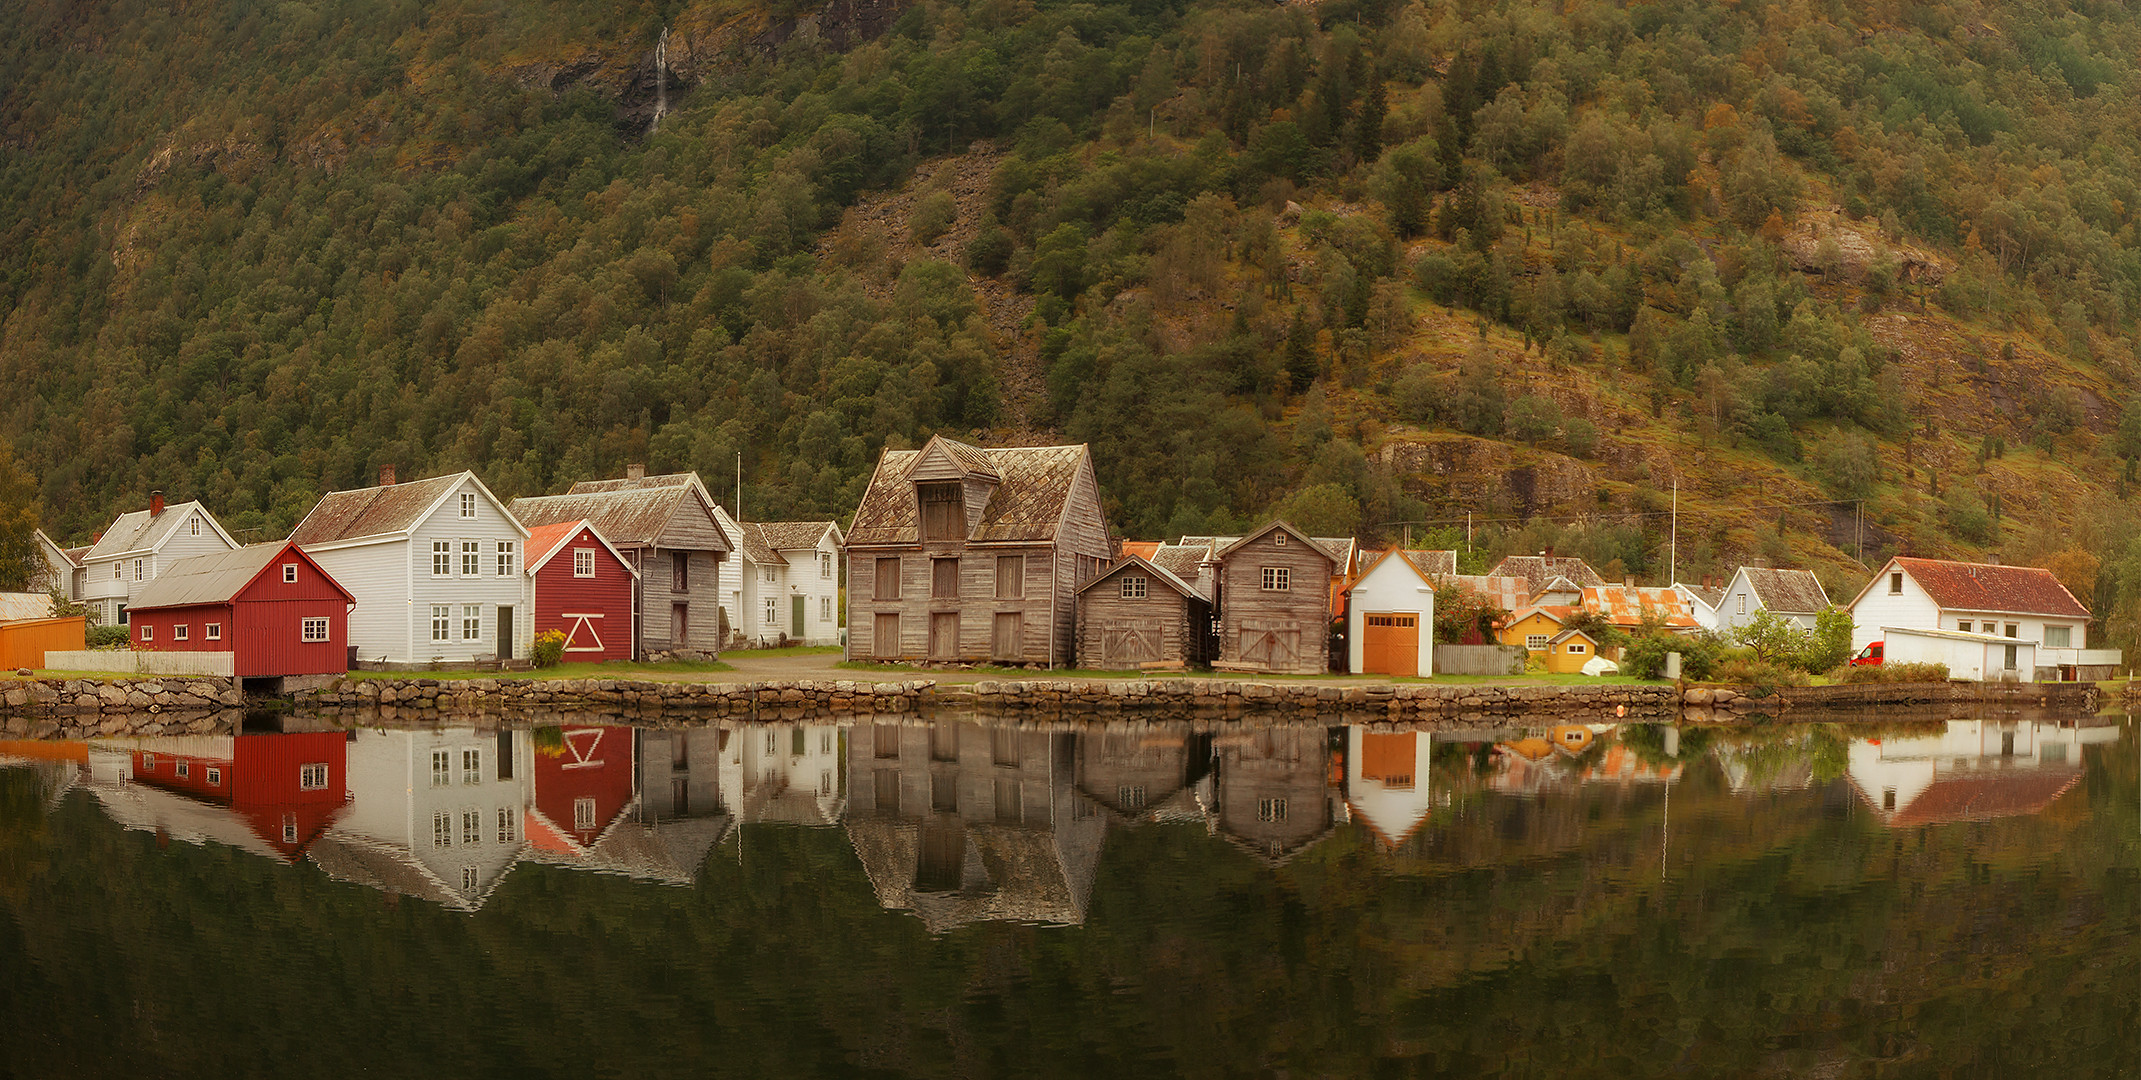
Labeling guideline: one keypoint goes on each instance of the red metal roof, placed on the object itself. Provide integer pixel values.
(1624, 605)
(2017, 590)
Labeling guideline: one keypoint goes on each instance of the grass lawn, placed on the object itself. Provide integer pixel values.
(562, 671)
(792, 650)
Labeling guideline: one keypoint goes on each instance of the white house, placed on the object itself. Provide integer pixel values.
(435, 566)
(1796, 595)
(2022, 602)
(790, 773)
(1973, 770)
(1390, 617)
(1971, 657)
(1386, 781)
(439, 815)
(131, 551)
(1703, 601)
(790, 586)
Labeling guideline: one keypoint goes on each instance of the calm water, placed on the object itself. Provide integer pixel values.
(1948, 899)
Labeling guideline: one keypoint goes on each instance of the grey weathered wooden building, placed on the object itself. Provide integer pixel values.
(664, 525)
(1139, 615)
(1274, 602)
(965, 554)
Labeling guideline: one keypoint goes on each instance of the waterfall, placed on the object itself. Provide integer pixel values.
(661, 80)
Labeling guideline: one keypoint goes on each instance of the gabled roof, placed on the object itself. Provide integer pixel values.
(755, 547)
(1143, 549)
(218, 578)
(1507, 593)
(21, 606)
(1026, 504)
(140, 531)
(1341, 548)
(1133, 562)
(384, 512)
(1375, 560)
(1434, 563)
(2008, 590)
(70, 556)
(794, 535)
(1978, 796)
(1791, 592)
(1559, 613)
(942, 458)
(632, 511)
(1705, 595)
(1624, 605)
(1537, 570)
(1338, 561)
(1569, 633)
(545, 541)
(1181, 560)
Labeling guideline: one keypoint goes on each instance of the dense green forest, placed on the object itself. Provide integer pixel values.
(1850, 277)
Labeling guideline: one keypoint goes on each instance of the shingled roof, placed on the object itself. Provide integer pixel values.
(2009, 590)
(1790, 592)
(1537, 570)
(1433, 564)
(141, 530)
(628, 512)
(792, 535)
(373, 511)
(1181, 560)
(755, 547)
(1027, 502)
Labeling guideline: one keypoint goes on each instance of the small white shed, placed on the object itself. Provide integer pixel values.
(1390, 617)
(1970, 657)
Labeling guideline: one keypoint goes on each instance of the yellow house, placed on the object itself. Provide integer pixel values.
(1542, 631)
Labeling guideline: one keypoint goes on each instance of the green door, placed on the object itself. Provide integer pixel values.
(795, 610)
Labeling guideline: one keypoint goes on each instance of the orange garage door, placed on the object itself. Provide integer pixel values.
(1390, 645)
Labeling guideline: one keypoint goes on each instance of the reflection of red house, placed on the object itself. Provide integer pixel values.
(268, 605)
(288, 788)
(583, 588)
(580, 788)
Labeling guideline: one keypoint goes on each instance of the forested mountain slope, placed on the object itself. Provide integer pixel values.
(1854, 276)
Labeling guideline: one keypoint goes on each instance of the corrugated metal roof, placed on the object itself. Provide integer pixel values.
(1143, 549)
(2016, 590)
(140, 530)
(17, 606)
(1537, 570)
(207, 579)
(1507, 593)
(372, 511)
(1624, 605)
(1794, 592)
(544, 539)
(1026, 505)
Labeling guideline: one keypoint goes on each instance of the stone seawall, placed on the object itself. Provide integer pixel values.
(88, 708)
(786, 700)
(1560, 704)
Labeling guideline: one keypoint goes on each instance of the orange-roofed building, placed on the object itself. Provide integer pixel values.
(1544, 631)
(581, 587)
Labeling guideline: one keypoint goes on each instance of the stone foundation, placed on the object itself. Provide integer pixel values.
(508, 696)
(1409, 701)
(68, 697)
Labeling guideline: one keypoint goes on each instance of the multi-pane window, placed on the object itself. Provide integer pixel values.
(1130, 796)
(441, 768)
(314, 630)
(1133, 587)
(507, 826)
(215, 777)
(184, 770)
(442, 829)
(179, 632)
(441, 622)
(289, 573)
(468, 504)
(1271, 809)
(773, 610)
(141, 567)
(148, 633)
(1574, 647)
(1010, 577)
(471, 558)
(583, 814)
(583, 562)
(468, 879)
(772, 575)
(289, 828)
(441, 558)
(471, 827)
(1275, 578)
(193, 525)
(2058, 637)
(825, 609)
(471, 622)
(118, 571)
(471, 766)
(312, 776)
(1535, 642)
(507, 549)
(825, 565)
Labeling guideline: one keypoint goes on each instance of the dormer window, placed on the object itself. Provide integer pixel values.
(943, 511)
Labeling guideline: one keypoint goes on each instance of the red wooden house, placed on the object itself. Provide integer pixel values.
(286, 788)
(581, 787)
(268, 605)
(582, 588)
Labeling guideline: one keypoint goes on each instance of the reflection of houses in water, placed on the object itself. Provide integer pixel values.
(1619, 764)
(679, 816)
(1144, 771)
(1386, 781)
(438, 815)
(960, 823)
(583, 785)
(272, 795)
(1973, 770)
(1537, 762)
(1276, 789)
(793, 773)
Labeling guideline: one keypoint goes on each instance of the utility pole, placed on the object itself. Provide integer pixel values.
(739, 487)
(1672, 558)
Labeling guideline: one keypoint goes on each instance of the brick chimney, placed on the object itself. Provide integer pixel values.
(1992, 558)
(635, 472)
(386, 476)
(156, 503)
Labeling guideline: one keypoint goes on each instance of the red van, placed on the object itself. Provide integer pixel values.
(1868, 656)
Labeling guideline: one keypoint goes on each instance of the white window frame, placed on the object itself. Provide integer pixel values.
(213, 631)
(441, 768)
(1133, 587)
(772, 575)
(442, 558)
(1277, 578)
(140, 567)
(312, 776)
(471, 765)
(441, 622)
(471, 827)
(508, 826)
(468, 504)
(1895, 583)
(472, 622)
(825, 566)
(441, 829)
(184, 770)
(148, 633)
(1739, 604)
(1964, 625)
(471, 558)
(313, 629)
(506, 552)
(179, 631)
(583, 562)
(214, 776)
(773, 611)
(193, 525)
(825, 609)
(1535, 642)
(2066, 637)
(119, 570)
(1575, 648)
(583, 814)
(469, 878)
(289, 573)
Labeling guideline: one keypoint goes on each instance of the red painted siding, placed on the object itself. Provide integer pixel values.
(263, 626)
(262, 781)
(595, 763)
(589, 610)
(162, 770)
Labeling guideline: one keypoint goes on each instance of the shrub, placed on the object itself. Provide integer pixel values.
(1644, 656)
(932, 216)
(106, 637)
(1894, 672)
(549, 648)
(989, 252)
(1746, 671)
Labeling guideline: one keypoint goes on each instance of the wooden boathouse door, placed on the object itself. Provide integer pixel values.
(1390, 644)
